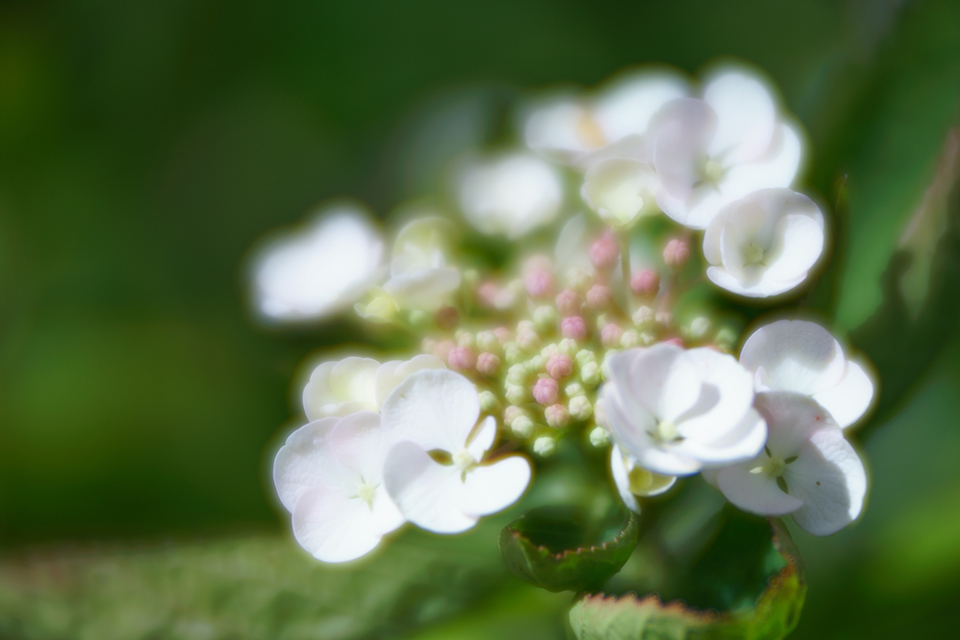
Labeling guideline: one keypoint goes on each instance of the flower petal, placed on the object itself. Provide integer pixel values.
(494, 487)
(428, 494)
(791, 419)
(333, 528)
(725, 397)
(743, 442)
(332, 384)
(483, 438)
(424, 289)
(679, 135)
(794, 355)
(850, 398)
(798, 246)
(776, 168)
(436, 408)
(746, 115)
(755, 492)
(306, 461)
(392, 373)
(621, 479)
(626, 106)
(357, 443)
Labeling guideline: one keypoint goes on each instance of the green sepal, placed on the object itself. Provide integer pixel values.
(560, 549)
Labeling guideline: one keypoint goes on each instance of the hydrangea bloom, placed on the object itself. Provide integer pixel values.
(620, 190)
(802, 356)
(764, 244)
(807, 469)
(678, 411)
(319, 269)
(419, 275)
(633, 481)
(437, 412)
(510, 195)
(712, 150)
(329, 475)
(341, 387)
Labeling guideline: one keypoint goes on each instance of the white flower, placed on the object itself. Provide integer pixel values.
(677, 412)
(320, 268)
(808, 469)
(510, 194)
(419, 275)
(708, 152)
(620, 190)
(765, 243)
(632, 480)
(437, 411)
(570, 129)
(339, 388)
(329, 475)
(802, 356)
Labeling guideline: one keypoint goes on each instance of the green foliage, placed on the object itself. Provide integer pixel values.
(562, 549)
(730, 572)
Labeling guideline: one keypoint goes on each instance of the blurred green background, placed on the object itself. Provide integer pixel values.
(146, 146)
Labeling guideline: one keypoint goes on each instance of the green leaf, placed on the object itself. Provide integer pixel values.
(734, 559)
(559, 549)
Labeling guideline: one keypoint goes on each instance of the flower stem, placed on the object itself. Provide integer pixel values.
(624, 237)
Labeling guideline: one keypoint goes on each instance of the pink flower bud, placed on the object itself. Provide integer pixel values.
(599, 297)
(604, 252)
(574, 327)
(443, 348)
(676, 341)
(447, 318)
(559, 365)
(676, 253)
(610, 335)
(461, 359)
(545, 391)
(539, 283)
(510, 414)
(568, 302)
(503, 335)
(646, 283)
(556, 416)
(488, 364)
(487, 293)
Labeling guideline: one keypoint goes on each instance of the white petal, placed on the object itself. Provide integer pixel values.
(746, 115)
(621, 479)
(425, 289)
(776, 168)
(571, 248)
(755, 492)
(794, 355)
(392, 373)
(664, 380)
(798, 246)
(628, 422)
(743, 442)
(319, 269)
(561, 128)
(357, 443)
(791, 419)
(762, 288)
(829, 477)
(679, 134)
(385, 516)
(632, 147)
(351, 380)
(620, 190)
(850, 398)
(667, 461)
(483, 438)
(725, 396)
(428, 494)
(435, 408)
(626, 106)
(333, 528)
(421, 244)
(306, 461)
(494, 487)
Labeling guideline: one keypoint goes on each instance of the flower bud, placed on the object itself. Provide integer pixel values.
(489, 402)
(580, 408)
(579, 279)
(503, 335)
(590, 374)
(645, 284)
(676, 253)
(487, 341)
(545, 391)
(647, 338)
(725, 338)
(556, 416)
(602, 320)
(465, 338)
(664, 318)
(545, 318)
(698, 328)
(513, 353)
(488, 364)
(381, 309)
(559, 365)
(517, 374)
(545, 446)
(674, 341)
(510, 414)
(528, 340)
(574, 328)
(443, 348)
(447, 318)
(522, 427)
(505, 298)
(643, 316)
(549, 350)
(568, 302)
(574, 389)
(584, 356)
(630, 339)
(604, 252)
(539, 283)
(461, 359)
(610, 334)
(487, 294)
(599, 437)
(535, 364)
(516, 394)
(599, 297)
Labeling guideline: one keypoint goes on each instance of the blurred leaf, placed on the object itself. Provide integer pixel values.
(258, 587)
(734, 559)
(561, 549)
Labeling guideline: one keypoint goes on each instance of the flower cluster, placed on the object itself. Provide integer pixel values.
(592, 330)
